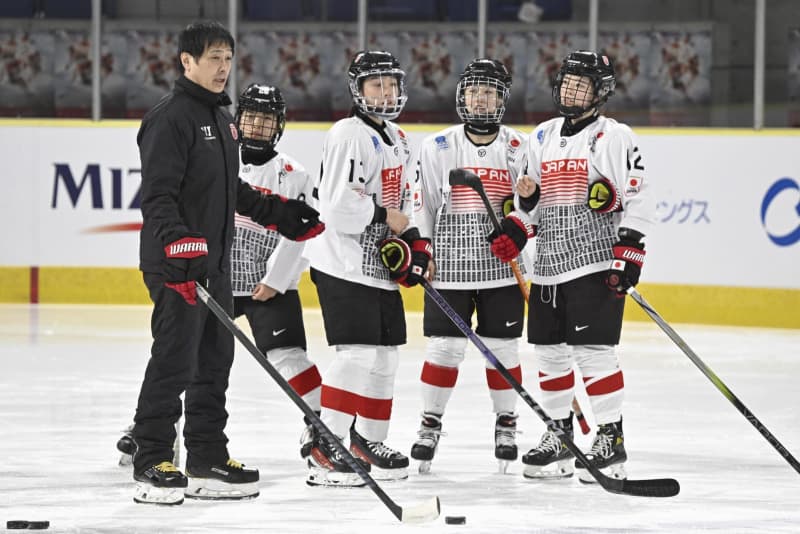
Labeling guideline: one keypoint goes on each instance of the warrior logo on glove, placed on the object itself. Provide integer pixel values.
(626, 267)
(184, 262)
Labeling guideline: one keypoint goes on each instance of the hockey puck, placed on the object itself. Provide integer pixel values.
(38, 525)
(455, 520)
(16, 525)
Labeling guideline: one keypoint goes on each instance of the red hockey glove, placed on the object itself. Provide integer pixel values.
(626, 265)
(506, 245)
(185, 261)
(421, 254)
(407, 262)
(295, 219)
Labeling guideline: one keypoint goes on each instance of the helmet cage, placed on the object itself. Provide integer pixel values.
(468, 116)
(600, 72)
(383, 109)
(266, 100)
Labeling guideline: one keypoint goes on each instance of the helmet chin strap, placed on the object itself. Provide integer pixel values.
(482, 129)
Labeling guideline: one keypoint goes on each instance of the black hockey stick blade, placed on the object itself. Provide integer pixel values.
(720, 385)
(421, 513)
(471, 180)
(464, 177)
(656, 487)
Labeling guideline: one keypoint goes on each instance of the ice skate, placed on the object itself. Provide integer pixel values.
(387, 463)
(228, 481)
(126, 446)
(607, 454)
(424, 449)
(550, 459)
(326, 467)
(307, 438)
(505, 446)
(160, 484)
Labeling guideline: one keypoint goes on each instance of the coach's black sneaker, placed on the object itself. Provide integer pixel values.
(228, 481)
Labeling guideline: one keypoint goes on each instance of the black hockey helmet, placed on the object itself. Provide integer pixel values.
(488, 72)
(595, 66)
(261, 99)
(370, 63)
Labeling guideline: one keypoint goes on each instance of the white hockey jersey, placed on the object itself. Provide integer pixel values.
(261, 254)
(573, 240)
(362, 166)
(456, 219)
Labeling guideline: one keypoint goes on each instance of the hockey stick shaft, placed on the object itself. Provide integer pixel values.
(421, 513)
(647, 488)
(718, 383)
(471, 180)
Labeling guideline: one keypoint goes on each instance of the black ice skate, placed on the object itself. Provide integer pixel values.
(387, 463)
(228, 481)
(550, 459)
(307, 438)
(160, 484)
(326, 467)
(424, 449)
(607, 453)
(126, 446)
(505, 446)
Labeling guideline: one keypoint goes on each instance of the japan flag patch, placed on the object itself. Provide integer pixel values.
(633, 186)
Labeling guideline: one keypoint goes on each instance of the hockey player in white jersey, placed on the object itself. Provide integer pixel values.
(364, 198)
(467, 274)
(265, 266)
(595, 207)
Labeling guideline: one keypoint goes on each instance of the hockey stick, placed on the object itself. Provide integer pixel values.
(471, 180)
(720, 385)
(658, 487)
(421, 513)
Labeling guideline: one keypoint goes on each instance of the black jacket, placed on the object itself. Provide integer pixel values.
(190, 176)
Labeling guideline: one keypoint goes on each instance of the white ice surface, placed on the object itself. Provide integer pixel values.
(69, 377)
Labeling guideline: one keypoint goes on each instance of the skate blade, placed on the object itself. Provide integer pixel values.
(210, 489)
(424, 467)
(502, 467)
(388, 475)
(553, 471)
(616, 471)
(318, 476)
(149, 494)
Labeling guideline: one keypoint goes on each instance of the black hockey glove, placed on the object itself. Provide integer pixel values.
(626, 267)
(396, 257)
(185, 261)
(295, 219)
(506, 245)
